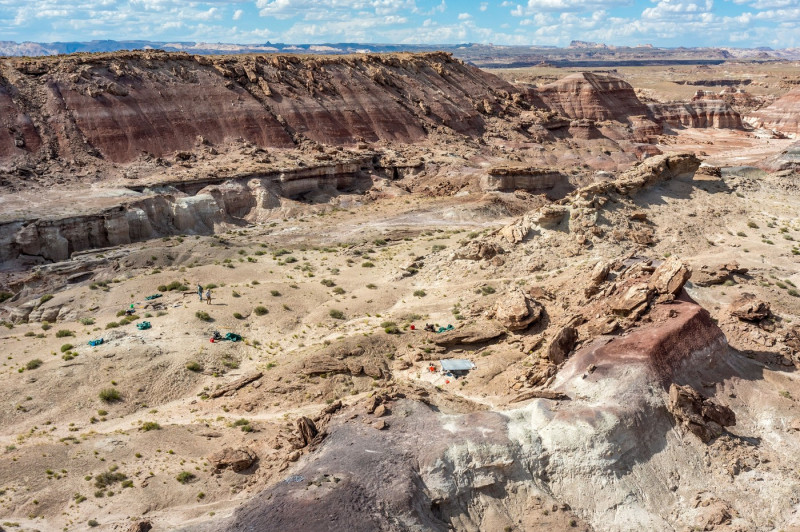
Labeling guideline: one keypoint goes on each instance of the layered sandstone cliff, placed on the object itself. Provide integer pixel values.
(783, 115)
(697, 114)
(121, 106)
(586, 95)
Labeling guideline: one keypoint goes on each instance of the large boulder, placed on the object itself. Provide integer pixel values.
(562, 344)
(703, 417)
(236, 459)
(470, 334)
(670, 277)
(517, 311)
(748, 307)
(718, 274)
(477, 250)
(635, 297)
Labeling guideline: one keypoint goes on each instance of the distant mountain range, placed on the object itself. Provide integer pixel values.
(579, 53)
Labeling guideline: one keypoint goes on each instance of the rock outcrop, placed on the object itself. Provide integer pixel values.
(701, 416)
(748, 307)
(517, 311)
(697, 114)
(586, 95)
(237, 459)
(123, 105)
(670, 277)
(782, 115)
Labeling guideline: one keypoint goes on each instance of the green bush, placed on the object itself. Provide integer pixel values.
(338, 290)
(92, 523)
(5, 295)
(202, 315)
(367, 264)
(261, 310)
(33, 364)
(336, 314)
(328, 282)
(150, 425)
(112, 325)
(45, 298)
(184, 477)
(372, 286)
(194, 366)
(275, 293)
(66, 347)
(110, 395)
(174, 285)
(87, 321)
(63, 333)
(238, 315)
(420, 293)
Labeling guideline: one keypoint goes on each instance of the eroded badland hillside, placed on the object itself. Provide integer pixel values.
(615, 255)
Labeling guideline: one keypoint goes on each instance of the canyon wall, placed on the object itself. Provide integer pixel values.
(783, 115)
(697, 114)
(121, 106)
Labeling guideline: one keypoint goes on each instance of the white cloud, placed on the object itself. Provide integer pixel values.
(464, 16)
(484, 6)
(237, 14)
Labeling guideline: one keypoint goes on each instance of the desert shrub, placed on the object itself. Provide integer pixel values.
(5, 295)
(174, 285)
(338, 290)
(367, 264)
(33, 364)
(336, 314)
(66, 347)
(63, 333)
(372, 286)
(420, 293)
(46, 326)
(438, 247)
(112, 325)
(261, 310)
(202, 315)
(87, 321)
(486, 290)
(194, 366)
(328, 282)
(184, 477)
(751, 224)
(45, 298)
(289, 260)
(238, 315)
(92, 523)
(275, 293)
(108, 478)
(150, 425)
(110, 395)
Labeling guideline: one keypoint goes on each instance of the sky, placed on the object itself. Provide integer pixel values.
(667, 23)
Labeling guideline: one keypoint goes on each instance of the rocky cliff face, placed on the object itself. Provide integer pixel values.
(783, 115)
(591, 96)
(697, 114)
(121, 106)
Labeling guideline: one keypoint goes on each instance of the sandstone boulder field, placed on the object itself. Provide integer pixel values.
(612, 251)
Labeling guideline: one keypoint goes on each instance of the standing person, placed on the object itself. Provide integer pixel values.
(208, 296)
(200, 292)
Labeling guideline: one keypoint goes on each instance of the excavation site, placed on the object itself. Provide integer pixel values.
(398, 292)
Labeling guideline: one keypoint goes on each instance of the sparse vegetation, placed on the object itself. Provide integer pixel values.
(336, 314)
(63, 333)
(33, 364)
(184, 477)
(150, 425)
(110, 395)
(194, 366)
(203, 316)
(261, 310)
